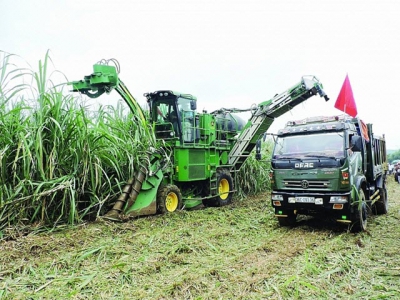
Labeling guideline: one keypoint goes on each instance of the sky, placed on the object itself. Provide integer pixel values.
(227, 53)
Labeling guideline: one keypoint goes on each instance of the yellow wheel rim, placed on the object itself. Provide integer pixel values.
(171, 202)
(223, 189)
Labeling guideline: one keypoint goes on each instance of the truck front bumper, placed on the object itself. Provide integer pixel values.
(334, 204)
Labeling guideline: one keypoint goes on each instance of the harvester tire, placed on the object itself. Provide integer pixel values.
(169, 199)
(360, 213)
(224, 189)
(381, 206)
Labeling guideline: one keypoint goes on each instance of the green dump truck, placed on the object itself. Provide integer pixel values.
(329, 166)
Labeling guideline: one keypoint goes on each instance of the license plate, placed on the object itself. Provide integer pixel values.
(305, 199)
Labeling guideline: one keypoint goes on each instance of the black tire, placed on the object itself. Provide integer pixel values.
(360, 213)
(290, 220)
(169, 199)
(381, 206)
(224, 189)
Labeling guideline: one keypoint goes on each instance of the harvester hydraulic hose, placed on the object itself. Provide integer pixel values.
(126, 94)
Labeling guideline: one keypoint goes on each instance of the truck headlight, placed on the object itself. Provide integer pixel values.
(338, 199)
(277, 197)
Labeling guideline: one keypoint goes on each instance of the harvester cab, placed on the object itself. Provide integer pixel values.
(197, 155)
(173, 115)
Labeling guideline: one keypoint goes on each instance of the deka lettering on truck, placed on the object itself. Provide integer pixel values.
(304, 165)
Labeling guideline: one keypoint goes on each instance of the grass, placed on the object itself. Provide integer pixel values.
(60, 163)
(253, 176)
(234, 252)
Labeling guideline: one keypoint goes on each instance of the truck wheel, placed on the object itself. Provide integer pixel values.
(224, 189)
(360, 213)
(169, 199)
(290, 220)
(381, 206)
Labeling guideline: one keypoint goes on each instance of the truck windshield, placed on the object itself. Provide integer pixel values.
(319, 145)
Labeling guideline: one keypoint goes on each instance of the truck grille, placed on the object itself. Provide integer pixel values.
(306, 184)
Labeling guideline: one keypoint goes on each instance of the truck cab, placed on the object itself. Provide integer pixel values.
(329, 166)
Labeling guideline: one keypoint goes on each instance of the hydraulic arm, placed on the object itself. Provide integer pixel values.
(266, 113)
(103, 80)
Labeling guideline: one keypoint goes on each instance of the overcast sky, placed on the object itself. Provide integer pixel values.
(227, 53)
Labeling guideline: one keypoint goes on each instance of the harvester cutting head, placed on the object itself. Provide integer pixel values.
(103, 79)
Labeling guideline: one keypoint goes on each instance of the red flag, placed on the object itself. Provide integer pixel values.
(345, 101)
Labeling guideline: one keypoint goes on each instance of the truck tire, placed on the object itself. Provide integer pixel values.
(381, 206)
(290, 220)
(360, 213)
(169, 199)
(224, 189)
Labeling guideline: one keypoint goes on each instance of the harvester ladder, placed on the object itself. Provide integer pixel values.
(213, 177)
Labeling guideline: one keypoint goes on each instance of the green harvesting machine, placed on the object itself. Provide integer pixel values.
(198, 153)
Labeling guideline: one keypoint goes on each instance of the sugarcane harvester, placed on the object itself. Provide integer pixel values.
(197, 154)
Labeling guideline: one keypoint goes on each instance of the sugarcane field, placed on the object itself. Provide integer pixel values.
(165, 201)
(207, 254)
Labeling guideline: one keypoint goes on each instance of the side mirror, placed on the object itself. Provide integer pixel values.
(193, 105)
(356, 143)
